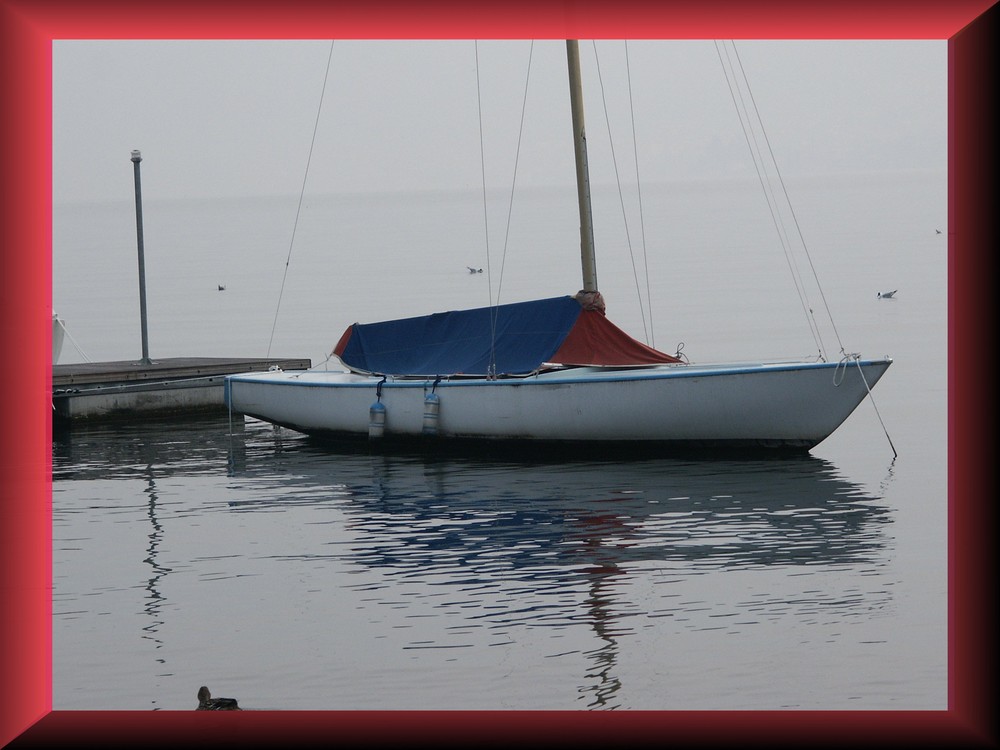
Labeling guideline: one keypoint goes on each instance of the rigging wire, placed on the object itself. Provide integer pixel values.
(510, 206)
(736, 90)
(621, 197)
(513, 182)
(298, 209)
(491, 370)
(638, 186)
(760, 165)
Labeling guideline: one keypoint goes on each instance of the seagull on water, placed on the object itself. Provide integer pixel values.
(886, 295)
(207, 703)
(474, 270)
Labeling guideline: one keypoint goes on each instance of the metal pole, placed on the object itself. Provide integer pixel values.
(136, 158)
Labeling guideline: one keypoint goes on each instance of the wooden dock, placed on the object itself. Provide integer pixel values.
(165, 387)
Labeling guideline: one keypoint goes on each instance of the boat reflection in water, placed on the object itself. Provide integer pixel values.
(535, 544)
(491, 549)
(415, 511)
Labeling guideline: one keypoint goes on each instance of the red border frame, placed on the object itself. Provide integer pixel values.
(27, 28)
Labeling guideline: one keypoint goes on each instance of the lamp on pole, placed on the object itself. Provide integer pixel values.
(136, 158)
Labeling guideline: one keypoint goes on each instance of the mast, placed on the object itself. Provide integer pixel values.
(587, 254)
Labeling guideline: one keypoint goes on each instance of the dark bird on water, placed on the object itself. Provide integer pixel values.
(222, 288)
(207, 703)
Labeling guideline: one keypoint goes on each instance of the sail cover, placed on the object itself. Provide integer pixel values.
(520, 338)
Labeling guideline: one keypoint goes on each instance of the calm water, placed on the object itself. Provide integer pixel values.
(290, 575)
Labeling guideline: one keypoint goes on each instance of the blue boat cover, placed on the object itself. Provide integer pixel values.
(520, 338)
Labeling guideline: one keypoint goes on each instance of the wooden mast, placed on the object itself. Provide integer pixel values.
(587, 253)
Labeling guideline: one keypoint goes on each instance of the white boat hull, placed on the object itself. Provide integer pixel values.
(777, 405)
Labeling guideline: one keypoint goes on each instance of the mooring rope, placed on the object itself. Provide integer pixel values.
(840, 372)
(76, 346)
(871, 397)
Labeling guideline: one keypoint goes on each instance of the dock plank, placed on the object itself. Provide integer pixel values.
(174, 388)
(126, 371)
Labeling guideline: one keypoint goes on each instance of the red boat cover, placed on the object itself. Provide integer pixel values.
(595, 340)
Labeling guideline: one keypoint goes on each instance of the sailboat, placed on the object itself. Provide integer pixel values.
(554, 371)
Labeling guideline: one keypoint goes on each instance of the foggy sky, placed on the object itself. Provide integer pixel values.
(234, 118)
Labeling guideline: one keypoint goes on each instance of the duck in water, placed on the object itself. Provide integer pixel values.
(207, 703)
